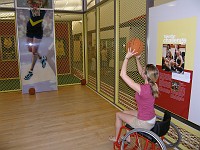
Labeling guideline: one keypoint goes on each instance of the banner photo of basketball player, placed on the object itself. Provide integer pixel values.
(36, 50)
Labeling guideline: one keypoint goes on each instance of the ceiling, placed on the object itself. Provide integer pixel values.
(69, 5)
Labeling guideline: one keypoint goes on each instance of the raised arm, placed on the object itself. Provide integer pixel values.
(140, 68)
(131, 83)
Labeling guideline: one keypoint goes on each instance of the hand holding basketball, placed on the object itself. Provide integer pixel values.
(130, 53)
(135, 45)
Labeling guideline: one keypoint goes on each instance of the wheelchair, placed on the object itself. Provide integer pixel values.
(142, 139)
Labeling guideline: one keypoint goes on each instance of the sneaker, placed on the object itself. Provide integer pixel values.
(112, 138)
(29, 75)
(43, 61)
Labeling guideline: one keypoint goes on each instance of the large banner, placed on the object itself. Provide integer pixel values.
(36, 46)
(176, 46)
(173, 42)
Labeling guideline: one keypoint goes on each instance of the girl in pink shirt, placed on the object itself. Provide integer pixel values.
(145, 96)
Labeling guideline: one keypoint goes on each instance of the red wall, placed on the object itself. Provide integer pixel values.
(61, 32)
(8, 69)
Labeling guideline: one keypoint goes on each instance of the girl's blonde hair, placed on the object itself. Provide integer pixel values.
(152, 74)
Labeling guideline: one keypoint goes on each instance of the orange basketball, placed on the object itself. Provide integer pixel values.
(32, 91)
(136, 45)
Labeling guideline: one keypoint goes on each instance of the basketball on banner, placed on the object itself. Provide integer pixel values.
(31, 91)
(35, 6)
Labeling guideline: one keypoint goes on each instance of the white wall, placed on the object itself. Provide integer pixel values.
(169, 12)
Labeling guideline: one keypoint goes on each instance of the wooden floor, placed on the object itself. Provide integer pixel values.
(72, 118)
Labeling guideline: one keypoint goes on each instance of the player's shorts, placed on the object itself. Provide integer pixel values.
(34, 32)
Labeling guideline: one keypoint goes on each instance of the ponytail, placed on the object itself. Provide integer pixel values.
(152, 76)
(154, 89)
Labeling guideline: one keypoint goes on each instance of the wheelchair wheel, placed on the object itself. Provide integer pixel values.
(176, 135)
(138, 142)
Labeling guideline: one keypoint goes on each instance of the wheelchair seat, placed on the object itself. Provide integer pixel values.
(160, 128)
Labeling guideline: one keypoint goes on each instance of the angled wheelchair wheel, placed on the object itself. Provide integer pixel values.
(138, 142)
(175, 133)
(176, 137)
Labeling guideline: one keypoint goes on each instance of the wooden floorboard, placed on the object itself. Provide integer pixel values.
(72, 118)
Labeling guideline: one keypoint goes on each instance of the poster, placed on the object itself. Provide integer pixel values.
(175, 47)
(36, 47)
(173, 57)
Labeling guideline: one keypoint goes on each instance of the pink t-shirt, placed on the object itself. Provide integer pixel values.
(145, 102)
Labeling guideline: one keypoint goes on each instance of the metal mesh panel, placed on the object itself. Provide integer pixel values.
(9, 69)
(159, 2)
(68, 37)
(132, 24)
(92, 51)
(107, 77)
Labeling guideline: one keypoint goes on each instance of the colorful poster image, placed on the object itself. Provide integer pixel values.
(36, 50)
(173, 57)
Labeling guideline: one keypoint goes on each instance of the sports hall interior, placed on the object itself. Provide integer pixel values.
(78, 116)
